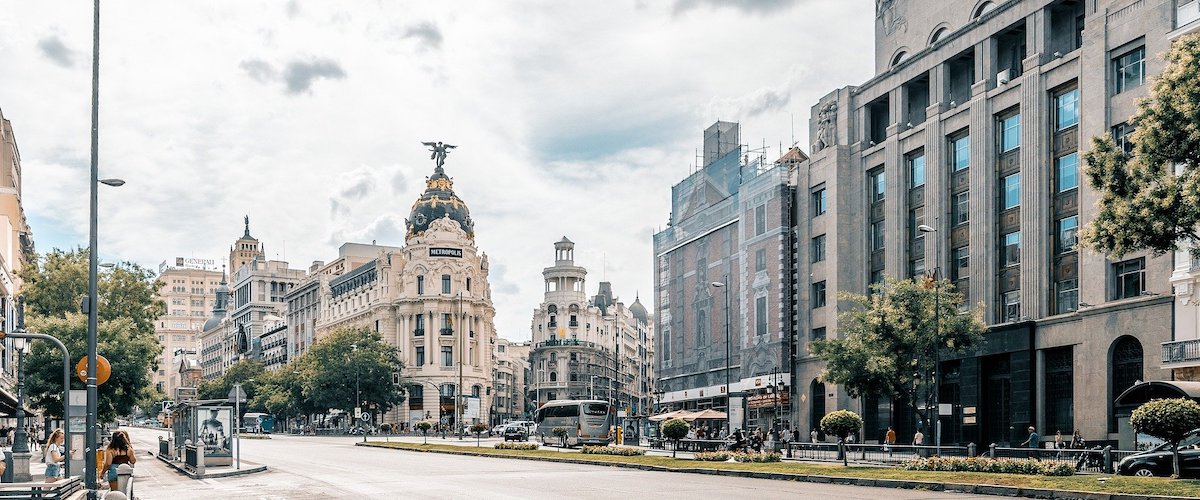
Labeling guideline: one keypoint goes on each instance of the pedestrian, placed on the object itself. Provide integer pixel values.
(52, 454)
(1033, 442)
(918, 442)
(889, 440)
(1077, 442)
(119, 451)
(813, 435)
(1059, 444)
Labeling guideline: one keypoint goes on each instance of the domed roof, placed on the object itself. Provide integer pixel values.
(211, 324)
(639, 311)
(438, 201)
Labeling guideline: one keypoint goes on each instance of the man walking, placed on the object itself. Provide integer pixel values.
(1033, 442)
(918, 442)
(889, 440)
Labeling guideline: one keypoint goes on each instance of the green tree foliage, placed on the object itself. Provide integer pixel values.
(1167, 419)
(1144, 203)
(348, 360)
(424, 427)
(889, 341)
(54, 286)
(249, 372)
(675, 429)
(841, 423)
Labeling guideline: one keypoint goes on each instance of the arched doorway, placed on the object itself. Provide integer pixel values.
(1126, 359)
(816, 405)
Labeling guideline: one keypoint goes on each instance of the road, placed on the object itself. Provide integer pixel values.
(332, 467)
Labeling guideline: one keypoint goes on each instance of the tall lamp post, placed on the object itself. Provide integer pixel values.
(937, 325)
(728, 358)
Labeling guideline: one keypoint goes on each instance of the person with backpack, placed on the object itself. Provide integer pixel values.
(52, 454)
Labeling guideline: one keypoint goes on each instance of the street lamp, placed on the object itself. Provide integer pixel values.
(937, 325)
(592, 387)
(728, 358)
(358, 392)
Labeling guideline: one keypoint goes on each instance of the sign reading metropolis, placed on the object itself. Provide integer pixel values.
(445, 252)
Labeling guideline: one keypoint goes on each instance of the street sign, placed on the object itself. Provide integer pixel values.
(365, 417)
(237, 395)
(103, 369)
(945, 409)
(357, 412)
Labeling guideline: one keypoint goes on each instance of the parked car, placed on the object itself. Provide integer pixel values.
(1157, 461)
(497, 430)
(515, 433)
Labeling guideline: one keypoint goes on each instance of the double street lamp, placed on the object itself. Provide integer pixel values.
(937, 325)
(728, 358)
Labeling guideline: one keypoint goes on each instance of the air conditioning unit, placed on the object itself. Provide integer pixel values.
(1004, 76)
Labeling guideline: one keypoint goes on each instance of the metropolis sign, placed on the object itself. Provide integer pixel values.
(445, 252)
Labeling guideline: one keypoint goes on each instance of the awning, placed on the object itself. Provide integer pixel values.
(706, 415)
(669, 415)
(8, 404)
(1158, 389)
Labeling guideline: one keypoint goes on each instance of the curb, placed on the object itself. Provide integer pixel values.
(979, 489)
(232, 473)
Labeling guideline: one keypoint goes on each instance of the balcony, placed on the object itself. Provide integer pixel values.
(420, 332)
(1181, 353)
(1187, 13)
(564, 342)
(447, 331)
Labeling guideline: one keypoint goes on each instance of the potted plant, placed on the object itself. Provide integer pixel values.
(675, 429)
(424, 427)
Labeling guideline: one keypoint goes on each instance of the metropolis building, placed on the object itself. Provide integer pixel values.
(975, 125)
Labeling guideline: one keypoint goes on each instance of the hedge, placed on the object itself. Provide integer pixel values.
(612, 450)
(516, 446)
(724, 456)
(976, 464)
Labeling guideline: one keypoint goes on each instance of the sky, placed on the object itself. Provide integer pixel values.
(571, 118)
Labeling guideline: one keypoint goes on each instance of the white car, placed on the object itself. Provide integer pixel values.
(498, 430)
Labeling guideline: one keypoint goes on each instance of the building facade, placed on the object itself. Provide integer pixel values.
(16, 249)
(509, 380)
(585, 348)
(723, 286)
(975, 125)
(187, 294)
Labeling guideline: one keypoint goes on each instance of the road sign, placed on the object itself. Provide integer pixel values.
(103, 369)
(365, 417)
(358, 412)
(237, 395)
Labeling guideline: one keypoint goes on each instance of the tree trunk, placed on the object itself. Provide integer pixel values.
(1175, 458)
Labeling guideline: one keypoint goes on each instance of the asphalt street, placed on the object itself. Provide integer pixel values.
(332, 467)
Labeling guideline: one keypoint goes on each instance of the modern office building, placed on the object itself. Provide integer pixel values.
(585, 348)
(188, 288)
(974, 125)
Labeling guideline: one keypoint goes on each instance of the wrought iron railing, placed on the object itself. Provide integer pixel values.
(1180, 351)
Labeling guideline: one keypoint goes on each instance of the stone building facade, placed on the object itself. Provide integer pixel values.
(975, 125)
(730, 224)
(510, 377)
(593, 348)
(187, 293)
(16, 249)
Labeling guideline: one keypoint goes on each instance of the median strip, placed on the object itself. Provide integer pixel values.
(1072, 487)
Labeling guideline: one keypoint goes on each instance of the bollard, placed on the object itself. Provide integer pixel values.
(992, 450)
(125, 479)
(1108, 464)
(970, 449)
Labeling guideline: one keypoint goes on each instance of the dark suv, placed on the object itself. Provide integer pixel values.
(515, 433)
(1157, 461)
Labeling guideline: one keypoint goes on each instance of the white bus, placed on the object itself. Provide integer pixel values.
(586, 421)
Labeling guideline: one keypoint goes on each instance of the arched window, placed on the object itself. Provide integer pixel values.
(938, 34)
(816, 404)
(475, 390)
(1126, 362)
(554, 376)
(983, 8)
(899, 57)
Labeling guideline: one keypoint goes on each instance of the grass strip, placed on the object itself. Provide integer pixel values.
(1153, 486)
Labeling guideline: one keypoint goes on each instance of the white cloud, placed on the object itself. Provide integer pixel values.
(572, 119)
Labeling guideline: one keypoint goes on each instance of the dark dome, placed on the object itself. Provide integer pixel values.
(639, 311)
(211, 324)
(438, 201)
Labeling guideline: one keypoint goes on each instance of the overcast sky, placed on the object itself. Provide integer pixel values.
(572, 118)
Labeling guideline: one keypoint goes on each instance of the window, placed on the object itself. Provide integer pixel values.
(877, 235)
(420, 330)
(876, 279)
(447, 324)
(1068, 228)
(446, 283)
(1067, 168)
(1059, 398)
(962, 153)
(960, 263)
(916, 268)
(1010, 251)
(1010, 133)
(1012, 191)
(760, 316)
(916, 218)
(817, 334)
(1129, 70)
(960, 208)
(818, 294)
(1122, 134)
(760, 219)
(760, 259)
(1130, 278)
(820, 204)
(1066, 107)
(1066, 295)
(468, 284)
(447, 356)
(916, 170)
(1011, 306)
(420, 285)
(420, 356)
(878, 183)
(818, 248)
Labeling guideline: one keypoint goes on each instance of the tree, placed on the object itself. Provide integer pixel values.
(353, 366)
(478, 429)
(250, 373)
(890, 342)
(54, 286)
(281, 392)
(1169, 420)
(424, 427)
(675, 429)
(841, 423)
(1150, 199)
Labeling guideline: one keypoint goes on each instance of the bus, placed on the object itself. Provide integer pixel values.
(587, 421)
(258, 423)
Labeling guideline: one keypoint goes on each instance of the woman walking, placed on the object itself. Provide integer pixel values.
(53, 455)
(119, 451)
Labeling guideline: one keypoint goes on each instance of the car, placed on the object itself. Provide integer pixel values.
(515, 433)
(497, 430)
(1158, 460)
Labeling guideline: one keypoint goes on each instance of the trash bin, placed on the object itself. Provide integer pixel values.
(8, 467)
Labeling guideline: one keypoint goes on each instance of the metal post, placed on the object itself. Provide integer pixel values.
(462, 354)
(237, 421)
(358, 398)
(21, 334)
(90, 436)
(728, 362)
